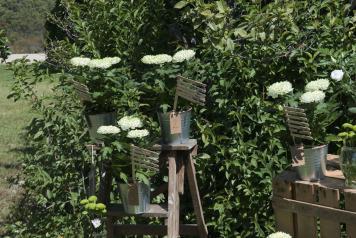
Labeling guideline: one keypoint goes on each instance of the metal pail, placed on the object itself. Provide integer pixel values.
(314, 168)
(96, 120)
(164, 121)
(135, 197)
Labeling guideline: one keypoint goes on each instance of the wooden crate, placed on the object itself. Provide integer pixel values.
(298, 205)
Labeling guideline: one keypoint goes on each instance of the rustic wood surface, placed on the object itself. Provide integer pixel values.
(186, 146)
(306, 223)
(329, 228)
(138, 229)
(172, 196)
(311, 200)
(193, 186)
(350, 205)
(284, 219)
(156, 210)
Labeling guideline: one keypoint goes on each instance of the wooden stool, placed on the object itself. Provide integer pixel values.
(180, 161)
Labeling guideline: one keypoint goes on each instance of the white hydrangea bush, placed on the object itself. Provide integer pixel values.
(80, 61)
(279, 89)
(317, 85)
(108, 130)
(312, 97)
(137, 133)
(156, 59)
(279, 234)
(130, 122)
(337, 75)
(183, 55)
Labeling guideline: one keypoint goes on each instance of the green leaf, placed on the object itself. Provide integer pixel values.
(240, 32)
(181, 4)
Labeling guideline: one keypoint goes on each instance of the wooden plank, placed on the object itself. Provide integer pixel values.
(172, 196)
(296, 119)
(350, 205)
(192, 92)
(167, 147)
(329, 197)
(294, 109)
(295, 113)
(180, 172)
(193, 187)
(298, 123)
(306, 224)
(316, 210)
(184, 84)
(156, 210)
(200, 84)
(138, 229)
(283, 188)
(300, 132)
(302, 136)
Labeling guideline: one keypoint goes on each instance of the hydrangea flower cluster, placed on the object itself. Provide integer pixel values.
(80, 61)
(156, 59)
(108, 130)
(320, 84)
(279, 89)
(279, 235)
(129, 122)
(180, 56)
(337, 75)
(137, 133)
(95, 63)
(183, 55)
(312, 97)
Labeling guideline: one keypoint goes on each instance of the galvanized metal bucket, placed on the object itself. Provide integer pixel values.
(314, 168)
(96, 120)
(135, 197)
(180, 138)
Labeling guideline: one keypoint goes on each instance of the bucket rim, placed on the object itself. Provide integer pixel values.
(189, 109)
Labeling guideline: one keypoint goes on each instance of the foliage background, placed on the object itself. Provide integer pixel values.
(24, 23)
(4, 48)
(242, 47)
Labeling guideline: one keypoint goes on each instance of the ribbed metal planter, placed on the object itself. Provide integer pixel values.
(96, 120)
(167, 137)
(348, 165)
(135, 197)
(314, 168)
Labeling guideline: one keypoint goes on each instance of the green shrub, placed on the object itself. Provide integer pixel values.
(241, 49)
(4, 48)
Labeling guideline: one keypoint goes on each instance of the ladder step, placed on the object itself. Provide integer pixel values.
(138, 229)
(156, 210)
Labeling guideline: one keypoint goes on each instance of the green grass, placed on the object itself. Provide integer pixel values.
(14, 116)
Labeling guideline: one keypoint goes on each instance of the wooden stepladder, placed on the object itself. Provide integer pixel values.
(180, 163)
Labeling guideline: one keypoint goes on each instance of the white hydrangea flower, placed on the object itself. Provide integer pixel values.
(137, 133)
(129, 122)
(279, 235)
(279, 89)
(113, 60)
(100, 63)
(107, 130)
(310, 97)
(337, 75)
(96, 222)
(156, 59)
(183, 55)
(320, 84)
(80, 61)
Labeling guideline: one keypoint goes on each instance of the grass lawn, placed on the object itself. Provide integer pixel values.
(13, 117)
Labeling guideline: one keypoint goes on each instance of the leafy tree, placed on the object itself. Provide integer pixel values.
(24, 23)
(242, 47)
(4, 49)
